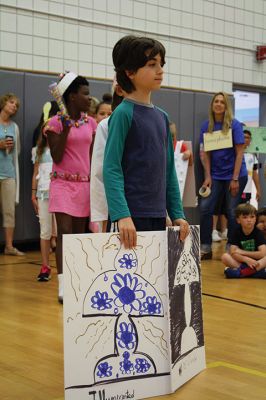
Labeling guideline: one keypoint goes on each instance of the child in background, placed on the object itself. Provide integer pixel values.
(179, 145)
(252, 168)
(93, 105)
(99, 209)
(183, 160)
(139, 172)
(103, 109)
(261, 220)
(40, 191)
(70, 139)
(248, 247)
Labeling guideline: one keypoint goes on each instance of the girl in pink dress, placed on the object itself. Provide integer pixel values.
(70, 139)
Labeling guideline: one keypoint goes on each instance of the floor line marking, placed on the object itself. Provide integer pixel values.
(237, 368)
(234, 301)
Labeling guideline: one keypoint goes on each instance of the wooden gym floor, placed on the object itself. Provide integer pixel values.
(31, 341)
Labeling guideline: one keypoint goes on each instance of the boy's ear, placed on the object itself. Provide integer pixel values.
(237, 220)
(119, 91)
(130, 74)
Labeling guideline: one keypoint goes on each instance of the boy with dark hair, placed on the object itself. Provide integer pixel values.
(261, 220)
(139, 172)
(248, 247)
(252, 165)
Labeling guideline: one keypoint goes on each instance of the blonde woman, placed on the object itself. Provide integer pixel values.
(224, 168)
(9, 171)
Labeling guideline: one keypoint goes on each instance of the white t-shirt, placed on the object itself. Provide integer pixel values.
(181, 167)
(44, 172)
(99, 208)
(251, 160)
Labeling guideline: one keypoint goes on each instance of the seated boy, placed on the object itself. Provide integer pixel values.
(248, 247)
(261, 220)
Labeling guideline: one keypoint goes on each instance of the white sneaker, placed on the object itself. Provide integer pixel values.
(224, 234)
(215, 236)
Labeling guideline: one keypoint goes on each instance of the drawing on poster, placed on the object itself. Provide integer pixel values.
(123, 296)
(185, 294)
(132, 318)
(123, 293)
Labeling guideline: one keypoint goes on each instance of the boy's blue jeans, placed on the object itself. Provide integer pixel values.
(207, 207)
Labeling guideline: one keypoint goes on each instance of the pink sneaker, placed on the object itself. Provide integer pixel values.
(45, 274)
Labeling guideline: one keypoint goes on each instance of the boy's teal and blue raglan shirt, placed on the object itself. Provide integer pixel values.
(138, 171)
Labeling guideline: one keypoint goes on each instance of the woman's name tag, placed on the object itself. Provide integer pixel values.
(217, 140)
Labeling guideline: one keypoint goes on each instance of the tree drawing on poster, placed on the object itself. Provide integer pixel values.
(115, 308)
(184, 294)
(123, 293)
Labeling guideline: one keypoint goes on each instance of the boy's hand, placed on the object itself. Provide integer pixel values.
(184, 228)
(251, 263)
(127, 231)
(168, 222)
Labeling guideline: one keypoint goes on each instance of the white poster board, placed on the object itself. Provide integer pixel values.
(186, 177)
(181, 167)
(128, 324)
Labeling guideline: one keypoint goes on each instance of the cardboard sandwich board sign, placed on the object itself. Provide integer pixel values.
(132, 318)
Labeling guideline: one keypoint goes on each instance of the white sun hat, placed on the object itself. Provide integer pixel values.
(66, 82)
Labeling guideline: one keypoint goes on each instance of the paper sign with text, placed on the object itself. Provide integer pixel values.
(217, 140)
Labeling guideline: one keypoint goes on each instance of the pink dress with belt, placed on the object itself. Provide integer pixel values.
(68, 196)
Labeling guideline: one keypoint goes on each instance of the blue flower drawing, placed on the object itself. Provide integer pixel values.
(128, 292)
(151, 305)
(104, 370)
(126, 366)
(101, 301)
(126, 336)
(127, 261)
(142, 365)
